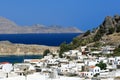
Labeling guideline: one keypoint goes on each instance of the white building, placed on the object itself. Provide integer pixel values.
(108, 50)
(90, 63)
(117, 58)
(73, 53)
(96, 52)
(94, 69)
(20, 68)
(52, 62)
(111, 60)
(86, 74)
(6, 68)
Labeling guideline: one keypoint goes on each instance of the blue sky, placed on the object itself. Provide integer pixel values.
(83, 14)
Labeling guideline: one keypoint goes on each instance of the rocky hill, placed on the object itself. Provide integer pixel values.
(9, 27)
(108, 32)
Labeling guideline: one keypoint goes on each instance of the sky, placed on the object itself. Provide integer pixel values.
(83, 14)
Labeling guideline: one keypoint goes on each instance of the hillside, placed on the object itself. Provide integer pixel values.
(9, 27)
(108, 32)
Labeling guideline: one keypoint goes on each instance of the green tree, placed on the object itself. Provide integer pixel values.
(46, 52)
(65, 47)
(76, 42)
(97, 37)
(97, 44)
(102, 65)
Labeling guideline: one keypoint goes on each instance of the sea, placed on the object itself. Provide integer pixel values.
(39, 39)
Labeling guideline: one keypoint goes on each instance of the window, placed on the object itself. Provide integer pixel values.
(98, 70)
(95, 70)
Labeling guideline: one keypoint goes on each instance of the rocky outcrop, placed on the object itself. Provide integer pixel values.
(8, 48)
(107, 32)
(9, 27)
(111, 22)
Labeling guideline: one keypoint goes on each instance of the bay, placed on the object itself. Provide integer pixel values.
(39, 39)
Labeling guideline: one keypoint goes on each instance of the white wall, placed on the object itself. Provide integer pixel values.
(14, 78)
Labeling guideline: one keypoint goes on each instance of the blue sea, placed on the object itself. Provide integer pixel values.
(40, 39)
(18, 59)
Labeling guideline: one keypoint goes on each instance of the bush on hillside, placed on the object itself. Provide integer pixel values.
(87, 33)
(65, 47)
(46, 52)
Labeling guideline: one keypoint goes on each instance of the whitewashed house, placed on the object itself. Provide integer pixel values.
(2, 64)
(94, 69)
(63, 70)
(69, 69)
(96, 52)
(72, 53)
(117, 62)
(117, 58)
(108, 49)
(111, 60)
(20, 68)
(32, 61)
(75, 52)
(52, 62)
(86, 74)
(103, 59)
(48, 57)
(90, 63)
(79, 66)
(63, 61)
(6, 67)
(67, 53)
(80, 57)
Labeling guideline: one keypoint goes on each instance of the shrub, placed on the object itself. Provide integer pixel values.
(102, 65)
(46, 52)
(87, 33)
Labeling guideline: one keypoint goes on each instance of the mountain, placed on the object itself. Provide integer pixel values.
(107, 33)
(9, 27)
